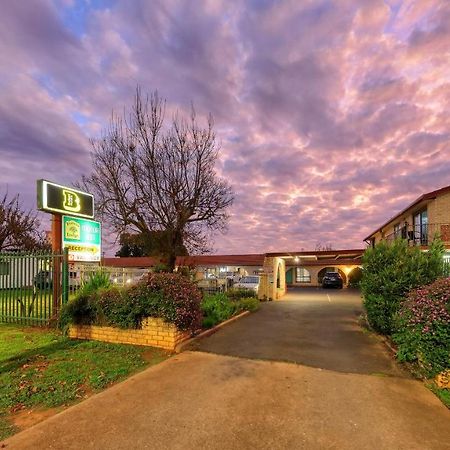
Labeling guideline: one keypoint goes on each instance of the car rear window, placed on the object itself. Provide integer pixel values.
(250, 280)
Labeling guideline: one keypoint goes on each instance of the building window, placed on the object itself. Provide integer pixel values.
(397, 231)
(302, 275)
(421, 228)
(401, 230)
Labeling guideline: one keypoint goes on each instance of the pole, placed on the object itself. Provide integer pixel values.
(56, 250)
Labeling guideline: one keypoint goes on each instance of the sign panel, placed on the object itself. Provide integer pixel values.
(83, 238)
(54, 198)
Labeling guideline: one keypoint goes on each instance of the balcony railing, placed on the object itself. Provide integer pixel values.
(422, 234)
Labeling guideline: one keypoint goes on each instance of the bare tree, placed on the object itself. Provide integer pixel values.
(19, 229)
(151, 177)
(324, 247)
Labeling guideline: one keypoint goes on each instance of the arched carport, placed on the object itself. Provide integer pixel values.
(324, 270)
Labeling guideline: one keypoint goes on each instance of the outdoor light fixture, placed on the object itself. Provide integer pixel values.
(296, 259)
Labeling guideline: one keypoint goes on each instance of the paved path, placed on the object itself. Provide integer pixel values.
(314, 327)
(199, 400)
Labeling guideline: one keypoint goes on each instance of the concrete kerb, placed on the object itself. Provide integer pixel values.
(182, 345)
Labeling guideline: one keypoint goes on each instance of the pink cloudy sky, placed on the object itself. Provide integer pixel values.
(332, 115)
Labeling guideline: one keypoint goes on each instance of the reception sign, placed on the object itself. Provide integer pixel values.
(83, 239)
(57, 199)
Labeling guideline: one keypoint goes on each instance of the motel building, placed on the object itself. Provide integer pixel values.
(427, 216)
(418, 223)
(277, 271)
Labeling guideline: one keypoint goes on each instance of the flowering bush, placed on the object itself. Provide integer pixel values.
(182, 299)
(171, 297)
(424, 327)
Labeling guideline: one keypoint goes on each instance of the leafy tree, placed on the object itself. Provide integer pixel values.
(19, 229)
(149, 176)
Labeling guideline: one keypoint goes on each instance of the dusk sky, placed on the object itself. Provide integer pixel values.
(332, 115)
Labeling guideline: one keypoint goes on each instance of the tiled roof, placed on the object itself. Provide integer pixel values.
(255, 259)
(200, 260)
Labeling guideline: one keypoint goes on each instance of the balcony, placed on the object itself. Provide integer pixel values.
(422, 234)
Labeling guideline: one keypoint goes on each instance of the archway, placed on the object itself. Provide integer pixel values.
(323, 271)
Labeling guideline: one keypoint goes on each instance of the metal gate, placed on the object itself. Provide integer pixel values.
(33, 287)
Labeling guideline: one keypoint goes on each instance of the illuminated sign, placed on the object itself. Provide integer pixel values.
(83, 239)
(59, 199)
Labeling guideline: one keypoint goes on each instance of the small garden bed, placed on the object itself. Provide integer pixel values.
(42, 371)
(162, 310)
(222, 306)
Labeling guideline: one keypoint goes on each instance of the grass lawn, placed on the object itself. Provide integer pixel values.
(42, 371)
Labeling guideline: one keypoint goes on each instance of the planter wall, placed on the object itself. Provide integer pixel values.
(154, 332)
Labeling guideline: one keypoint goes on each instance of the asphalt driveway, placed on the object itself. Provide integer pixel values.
(233, 392)
(313, 327)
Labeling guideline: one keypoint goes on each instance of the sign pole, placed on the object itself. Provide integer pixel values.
(57, 250)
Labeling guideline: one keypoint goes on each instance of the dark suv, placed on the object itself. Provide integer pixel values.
(332, 279)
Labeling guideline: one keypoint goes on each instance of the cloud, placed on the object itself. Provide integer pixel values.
(332, 116)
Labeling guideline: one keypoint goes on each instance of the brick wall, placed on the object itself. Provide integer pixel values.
(154, 332)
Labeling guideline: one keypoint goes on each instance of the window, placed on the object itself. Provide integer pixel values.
(397, 231)
(421, 228)
(4, 268)
(401, 230)
(302, 275)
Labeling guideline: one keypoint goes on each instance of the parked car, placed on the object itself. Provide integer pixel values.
(248, 282)
(332, 279)
(43, 279)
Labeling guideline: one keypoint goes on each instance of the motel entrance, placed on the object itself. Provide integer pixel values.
(282, 271)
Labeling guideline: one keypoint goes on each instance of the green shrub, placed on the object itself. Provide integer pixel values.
(216, 308)
(355, 277)
(83, 309)
(97, 280)
(219, 307)
(238, 293)
(248, 304)
(118, 308)
(182, 299)
(160, 268)
(171, 297)
(391, 270)
(423, 325)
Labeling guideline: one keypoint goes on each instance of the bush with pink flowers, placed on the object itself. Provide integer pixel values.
(169, 296)
(423, 327)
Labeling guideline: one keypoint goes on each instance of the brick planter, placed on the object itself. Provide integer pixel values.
(154, 332)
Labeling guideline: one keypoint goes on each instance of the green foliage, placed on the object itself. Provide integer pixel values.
(423, 325)
(81, 310)
(391, 270)
(249, 304)
(149, 243)
(160, 268)
(170, 296)
(97, 280)
(220, 307)
(216, 308)
(238, 293)
(355, 277)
